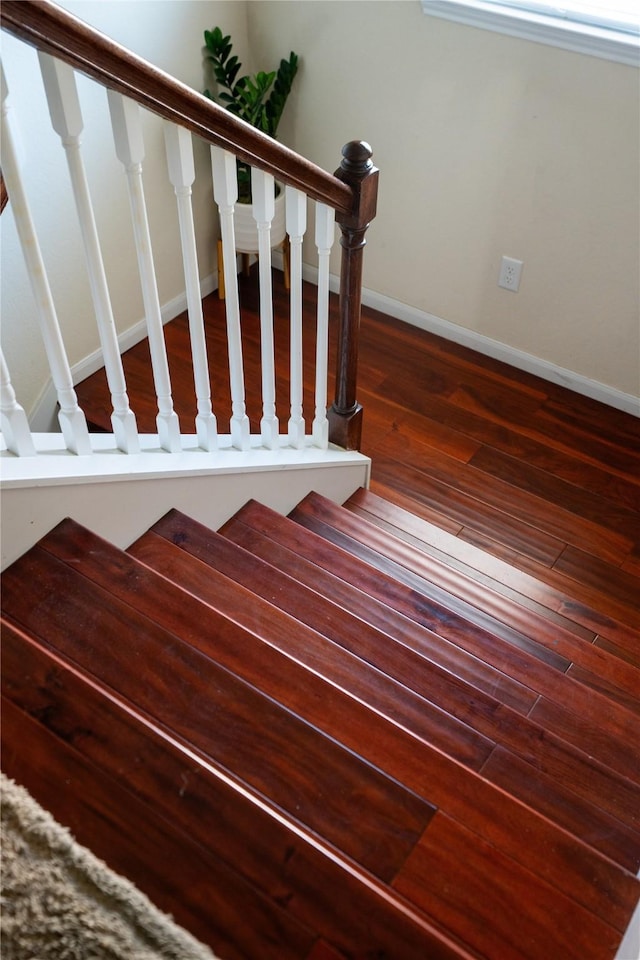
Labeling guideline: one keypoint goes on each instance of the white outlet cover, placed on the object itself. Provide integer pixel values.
(510, 273)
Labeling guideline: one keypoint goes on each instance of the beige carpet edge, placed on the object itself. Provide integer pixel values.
(33, 832)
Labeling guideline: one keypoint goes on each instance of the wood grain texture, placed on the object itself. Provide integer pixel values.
(503, 594)
(323, 556)
(483, 914)
(223, 717)
(286, 885)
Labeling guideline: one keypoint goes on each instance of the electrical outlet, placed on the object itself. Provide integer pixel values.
(510, 271)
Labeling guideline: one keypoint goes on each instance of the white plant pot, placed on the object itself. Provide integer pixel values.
(246, 229)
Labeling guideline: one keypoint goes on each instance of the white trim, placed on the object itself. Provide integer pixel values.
(629, 948)
(119, 496)
(42, 418)
(567, 34)
(492, 348)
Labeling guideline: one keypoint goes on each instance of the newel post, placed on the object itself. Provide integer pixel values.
(356, 169)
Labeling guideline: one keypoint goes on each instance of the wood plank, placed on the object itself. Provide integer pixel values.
(486, 595)
(590, 606)
(399, 630)
(592, 426)
(280, 756)
(487, 523)
(608, 730)
(592, 507)
(619, 746)
(604, 577)
(317, 514)
(543, 424)
(450, 548)
(510, 500)
(452, 697)
(572, 466)
(269, 656)
(422, 510)
(462, 556)
(482, 914)
(556, 800)
(482, 807)
(261, 517)
(413, 612)
(287, 883)
(459, 580)
(200, 891)
(555, 757)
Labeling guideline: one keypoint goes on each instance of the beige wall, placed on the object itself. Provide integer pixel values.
(487, 145)
(169, 34)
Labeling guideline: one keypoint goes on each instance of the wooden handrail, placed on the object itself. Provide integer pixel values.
(48, 27)
(351, 191)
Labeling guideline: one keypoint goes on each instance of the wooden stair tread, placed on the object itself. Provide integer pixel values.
(376, 547)
(571, 908)
(192, 695)
(484, 917)
(395, 626)
(106, 565)
(308, 886)
(473, 707)
(551, 715)
(275, 662)
(318, 560)
(391, 749)
(468, 559)
(557, 636)
(620, 727)
(135, 841)
(587, 604)
(266, 520)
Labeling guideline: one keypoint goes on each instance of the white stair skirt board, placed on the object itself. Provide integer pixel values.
(630, 947)
(119, 496)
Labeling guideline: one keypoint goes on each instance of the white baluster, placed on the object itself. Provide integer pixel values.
(127, 135)
(325, 233)
(225, 192)
(263, 196)
(71, 418)
(66, 118)
(13, 419)
(182, 174)
(296, 203)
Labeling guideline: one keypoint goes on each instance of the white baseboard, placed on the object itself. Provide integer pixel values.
(42, 418)
(492, 348)
(502, 351)
(43, 413)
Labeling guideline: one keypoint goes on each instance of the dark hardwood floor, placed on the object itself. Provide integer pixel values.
(448, 661)
(533, 474)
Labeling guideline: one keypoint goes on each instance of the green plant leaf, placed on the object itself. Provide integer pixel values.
(258, 99)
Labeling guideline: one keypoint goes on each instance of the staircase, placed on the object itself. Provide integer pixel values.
(341, 734)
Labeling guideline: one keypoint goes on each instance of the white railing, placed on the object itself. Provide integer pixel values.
(67, 121)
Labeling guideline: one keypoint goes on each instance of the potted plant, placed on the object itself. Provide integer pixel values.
(260, 100)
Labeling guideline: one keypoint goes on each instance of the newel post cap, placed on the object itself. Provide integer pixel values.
(357, 170)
